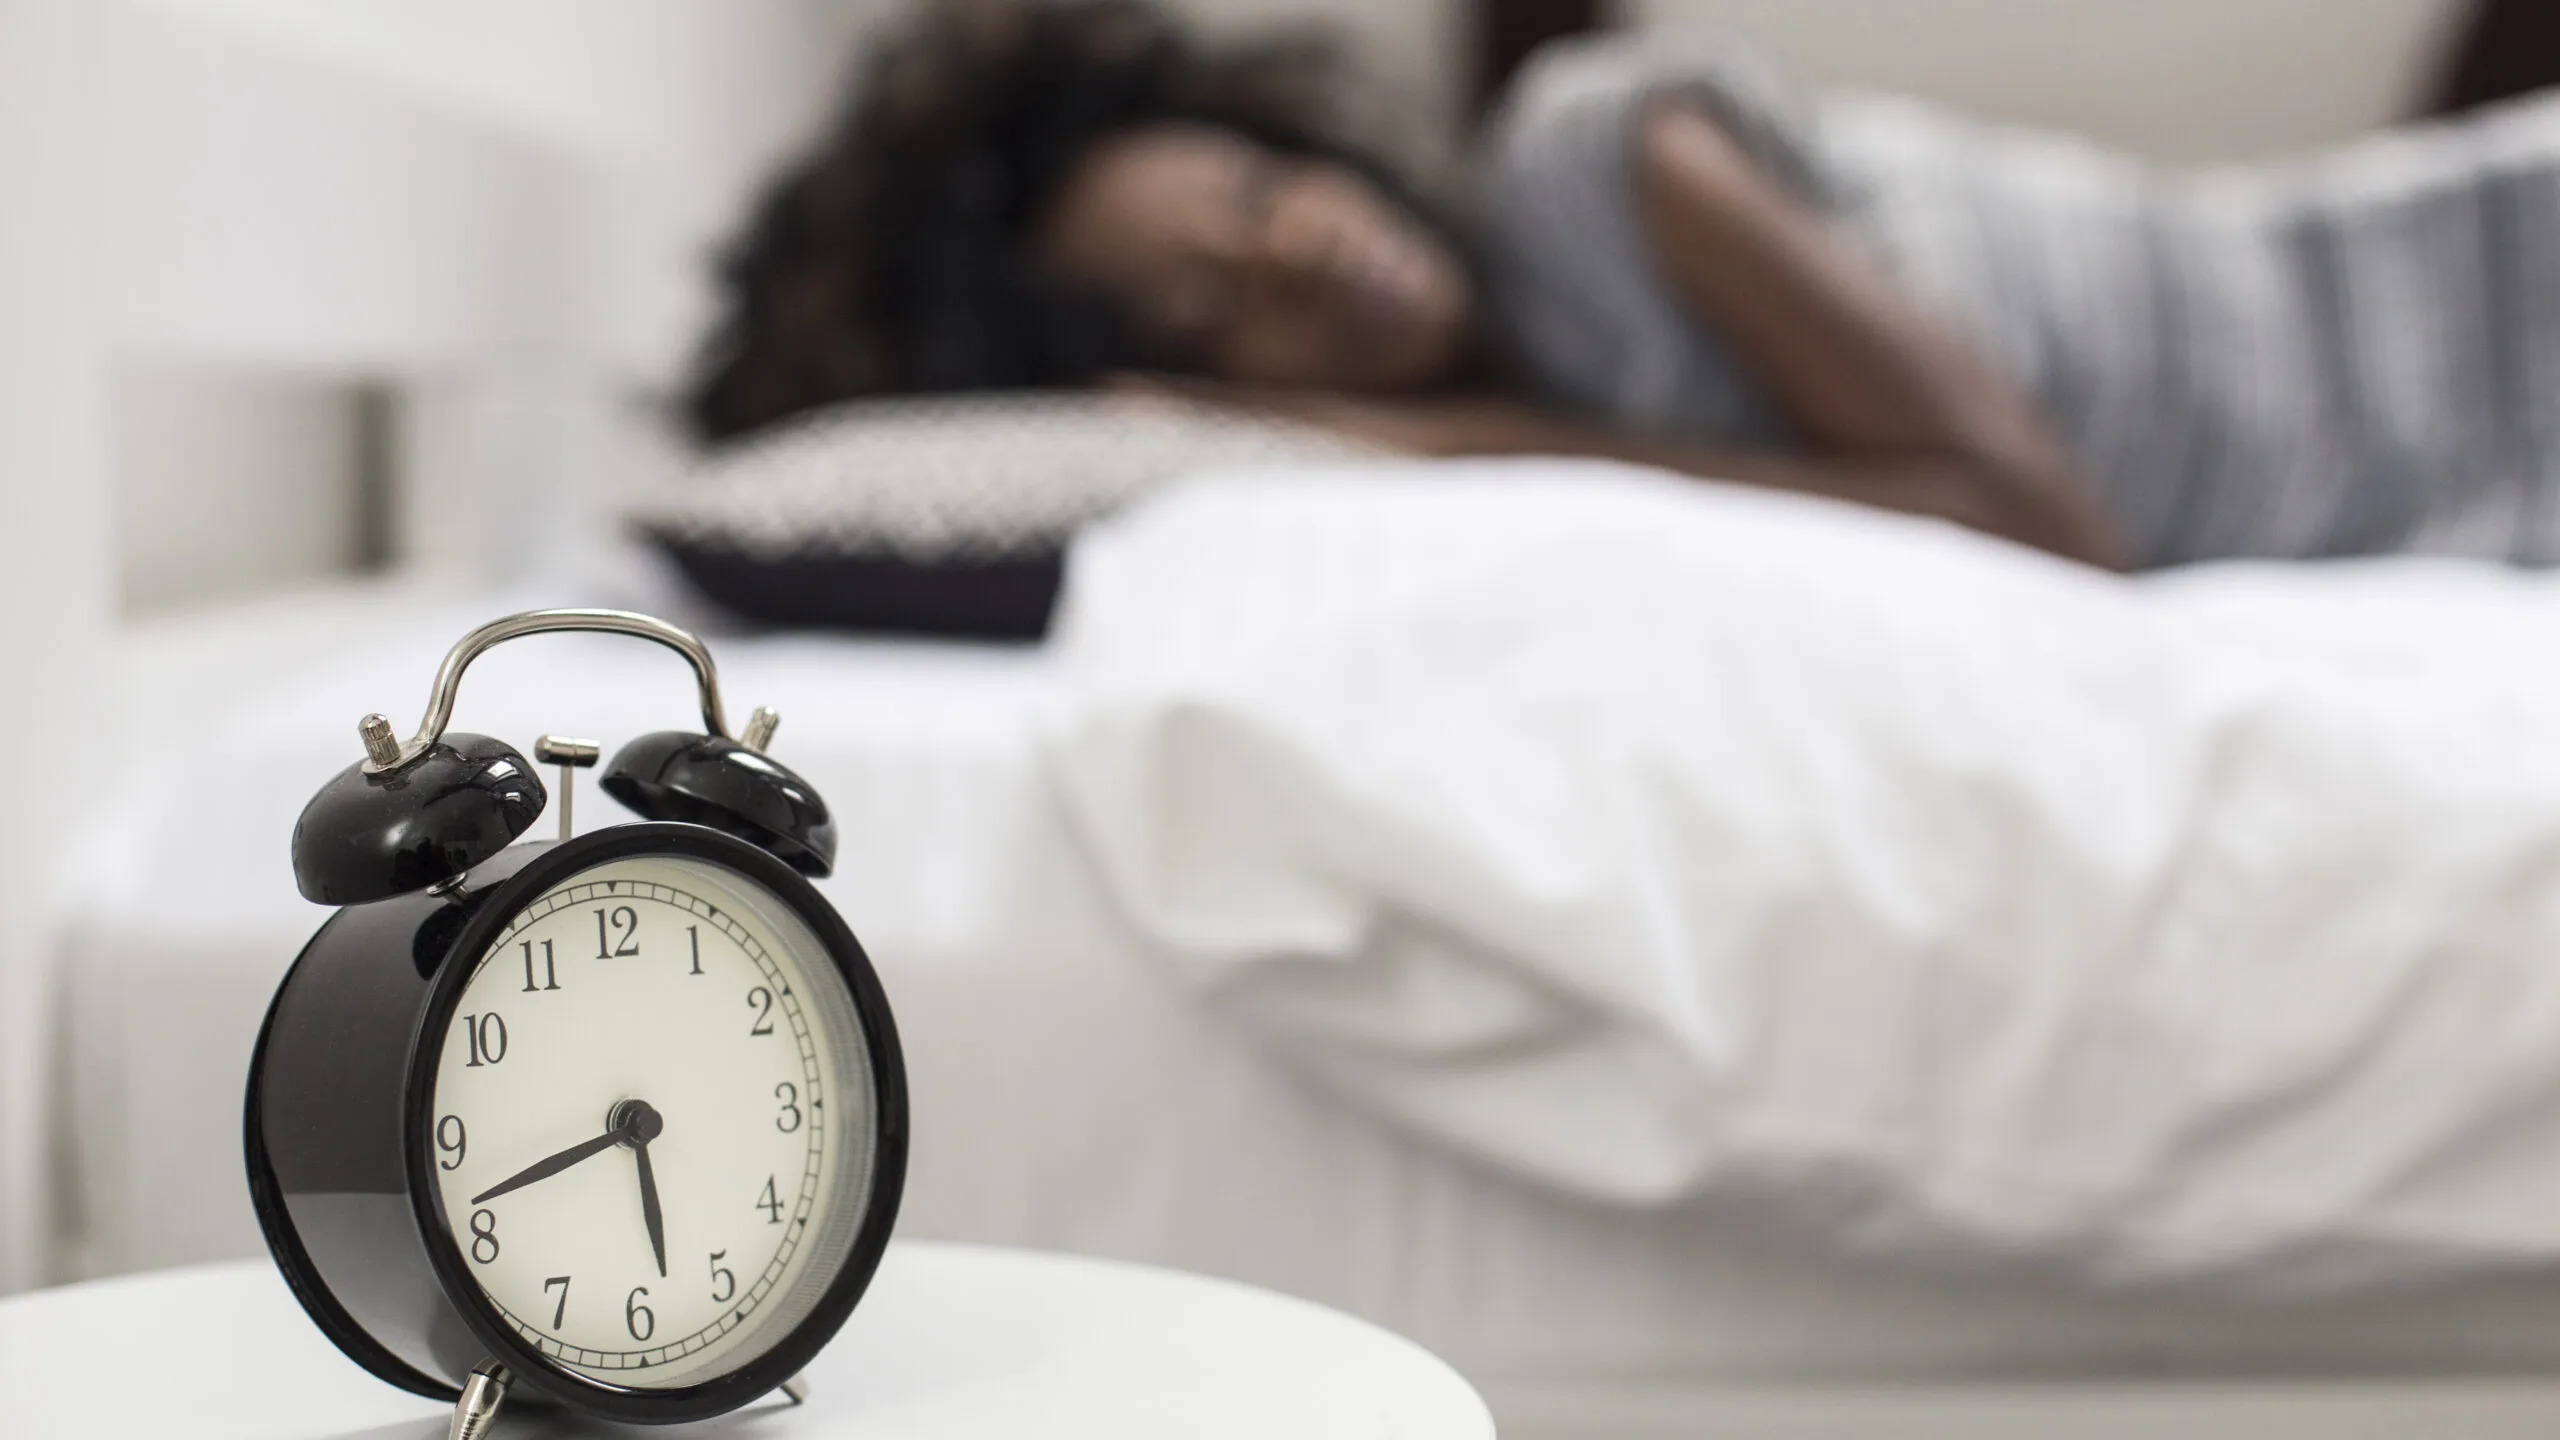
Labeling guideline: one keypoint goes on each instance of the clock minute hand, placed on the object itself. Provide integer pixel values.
(549, 1166)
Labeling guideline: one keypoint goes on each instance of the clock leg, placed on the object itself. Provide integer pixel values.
(477, 1410)
(796, 1389)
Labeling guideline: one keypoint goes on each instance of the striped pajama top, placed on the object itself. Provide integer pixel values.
(2354, 354)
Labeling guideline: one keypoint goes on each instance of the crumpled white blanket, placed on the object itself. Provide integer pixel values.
(1656, 839)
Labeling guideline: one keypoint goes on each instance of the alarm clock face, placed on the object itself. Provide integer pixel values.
(653, 1122)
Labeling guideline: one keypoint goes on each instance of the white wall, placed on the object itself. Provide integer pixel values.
(2177, 79)
(1418, 52)
(677, 106)
(179, 439)
(53, 595)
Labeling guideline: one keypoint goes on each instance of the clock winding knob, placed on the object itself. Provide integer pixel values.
(381, 745)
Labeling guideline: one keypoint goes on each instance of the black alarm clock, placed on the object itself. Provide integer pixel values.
(617, 1120)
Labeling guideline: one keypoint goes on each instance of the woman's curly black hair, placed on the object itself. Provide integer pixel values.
(890, 260)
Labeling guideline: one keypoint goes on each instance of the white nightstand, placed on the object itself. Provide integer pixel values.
(952, 1343)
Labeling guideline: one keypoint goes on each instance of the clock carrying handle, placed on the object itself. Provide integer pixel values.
(415, 815)
(384, 753)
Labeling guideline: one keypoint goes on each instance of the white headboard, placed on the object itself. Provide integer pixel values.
(219, 204)
(492, 215)
(271, 216)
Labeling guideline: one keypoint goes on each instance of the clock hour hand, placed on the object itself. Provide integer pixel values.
(549, 1166)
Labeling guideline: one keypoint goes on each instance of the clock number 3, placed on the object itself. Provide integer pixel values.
(789, 1119)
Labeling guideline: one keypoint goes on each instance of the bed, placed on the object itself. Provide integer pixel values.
(1068, 1097)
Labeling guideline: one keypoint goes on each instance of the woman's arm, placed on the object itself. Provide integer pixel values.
(1942, 488)
(1896, 410)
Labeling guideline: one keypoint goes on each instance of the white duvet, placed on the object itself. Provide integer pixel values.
(1653, 838)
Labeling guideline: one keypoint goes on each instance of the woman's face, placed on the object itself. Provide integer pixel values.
(1263, 268)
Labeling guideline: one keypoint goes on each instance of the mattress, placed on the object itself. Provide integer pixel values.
(1065, 1094)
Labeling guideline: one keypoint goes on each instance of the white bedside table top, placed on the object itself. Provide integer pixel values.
(952, 1343)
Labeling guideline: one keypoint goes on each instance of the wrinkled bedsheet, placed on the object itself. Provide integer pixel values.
(1655, 839)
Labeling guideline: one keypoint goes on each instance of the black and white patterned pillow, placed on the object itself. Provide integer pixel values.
(948, 515)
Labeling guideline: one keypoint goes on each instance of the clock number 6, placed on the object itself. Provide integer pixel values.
(636, 1316)
(724, 1281)
(488, 1037)
(484, 1231)
(452, 1138)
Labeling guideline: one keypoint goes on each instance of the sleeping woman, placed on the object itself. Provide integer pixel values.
(1664, 255)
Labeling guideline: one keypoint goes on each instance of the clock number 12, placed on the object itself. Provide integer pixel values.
(623, 938)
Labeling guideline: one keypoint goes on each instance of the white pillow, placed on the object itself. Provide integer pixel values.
(1654, 838)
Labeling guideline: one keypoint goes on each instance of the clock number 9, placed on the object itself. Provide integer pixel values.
(484, 1231)
(452, 1139)
(488, 1037)
(636, 1316)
